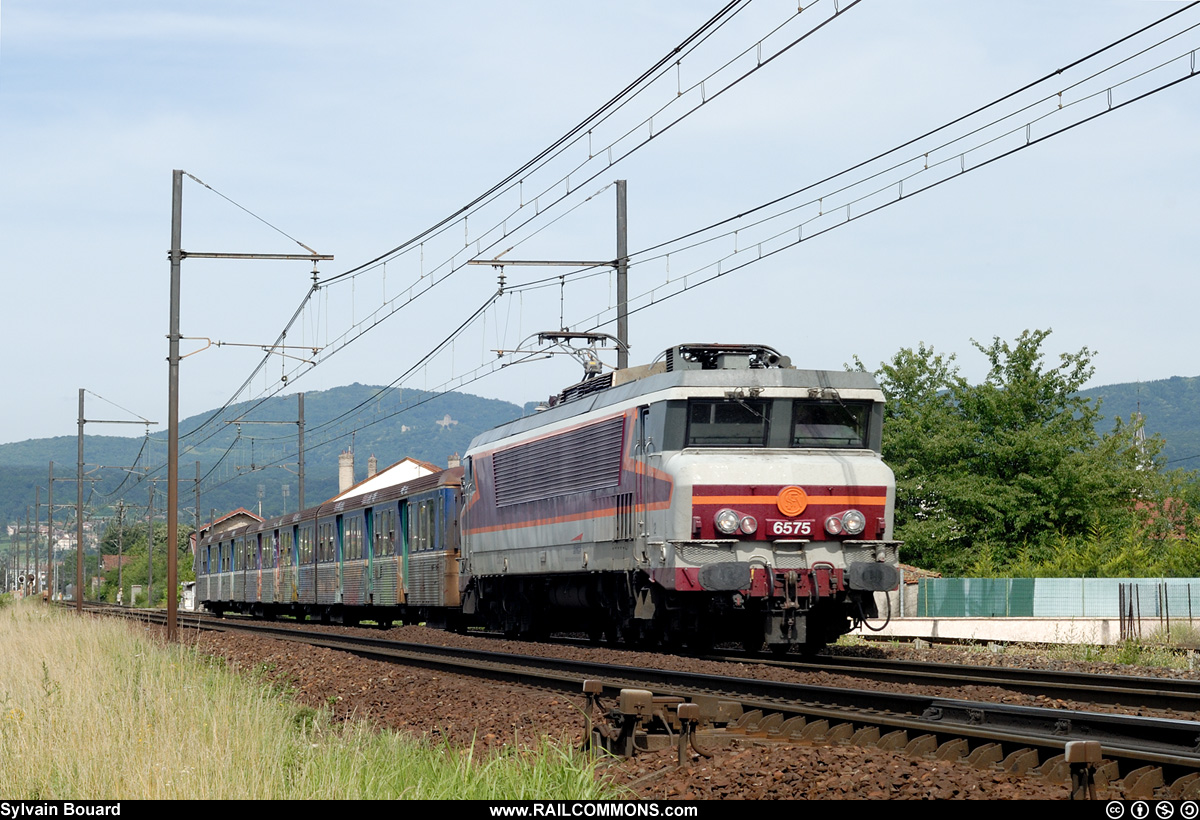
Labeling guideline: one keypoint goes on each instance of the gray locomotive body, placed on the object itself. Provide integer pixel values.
(718, 495)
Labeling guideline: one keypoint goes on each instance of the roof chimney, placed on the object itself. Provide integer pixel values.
(454, 461)
(345, 471)
(372, 466)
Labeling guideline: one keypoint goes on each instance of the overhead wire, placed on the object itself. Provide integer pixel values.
(761, 255)
(641, 257)
(714, 23)
(695, 39)
(884, 154)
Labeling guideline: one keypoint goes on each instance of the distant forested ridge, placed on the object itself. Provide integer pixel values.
(1171, 408)
(391, 424)
(426, 426)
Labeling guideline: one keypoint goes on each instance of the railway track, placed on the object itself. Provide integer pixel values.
(1128, 691)
(1142, 756)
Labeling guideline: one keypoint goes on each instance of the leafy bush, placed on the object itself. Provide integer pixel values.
(1011, 471)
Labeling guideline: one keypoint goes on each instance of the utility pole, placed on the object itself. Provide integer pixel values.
(621, 264)
(37, 506)
(79, 496)
(176, 255)
(79, 517)
(50, 585)
(299, 459)
(622, 279)
(28, 566)
(150, 550)
(173, 407)
(197, 502)
(120, 550)
(300, 397)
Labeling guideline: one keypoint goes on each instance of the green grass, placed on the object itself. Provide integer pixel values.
(95, 709)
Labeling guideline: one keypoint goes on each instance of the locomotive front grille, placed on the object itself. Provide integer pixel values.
(791, 560)
(857, 552)
(704, 552)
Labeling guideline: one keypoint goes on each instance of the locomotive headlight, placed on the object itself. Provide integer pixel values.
(749, 525)
(854, 522)
(833, 525)
(727, 521)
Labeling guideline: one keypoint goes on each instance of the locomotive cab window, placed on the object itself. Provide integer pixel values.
(727, 423)
(831, 424)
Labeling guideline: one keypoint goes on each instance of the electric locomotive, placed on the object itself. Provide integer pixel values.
(718, 494)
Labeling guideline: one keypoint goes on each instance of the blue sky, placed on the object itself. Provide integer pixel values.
(354, 126)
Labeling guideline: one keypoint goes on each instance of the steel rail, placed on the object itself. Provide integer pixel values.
(1132, 741)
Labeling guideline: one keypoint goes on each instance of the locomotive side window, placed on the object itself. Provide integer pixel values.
(725, 423)
(830, 424)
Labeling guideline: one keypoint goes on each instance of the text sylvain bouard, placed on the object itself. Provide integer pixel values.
(56, 808)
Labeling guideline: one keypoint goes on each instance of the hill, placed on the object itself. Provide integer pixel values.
(236, 459)
(396, 423)
(1171, 409)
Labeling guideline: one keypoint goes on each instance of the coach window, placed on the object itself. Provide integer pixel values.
(380, 547)
(430, 525)
(422, 526)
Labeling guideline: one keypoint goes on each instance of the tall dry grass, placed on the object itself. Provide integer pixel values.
(97, 709)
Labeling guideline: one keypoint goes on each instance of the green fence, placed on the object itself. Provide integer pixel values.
(1159, 598)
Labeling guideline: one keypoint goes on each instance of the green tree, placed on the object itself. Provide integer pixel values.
(135, 571)
(987, 472)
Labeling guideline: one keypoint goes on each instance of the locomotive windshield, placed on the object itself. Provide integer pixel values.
(726, 423)
(830, 424)
(779, 423)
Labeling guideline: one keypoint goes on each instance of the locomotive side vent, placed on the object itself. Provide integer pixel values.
(625, 530)
(577, 461)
